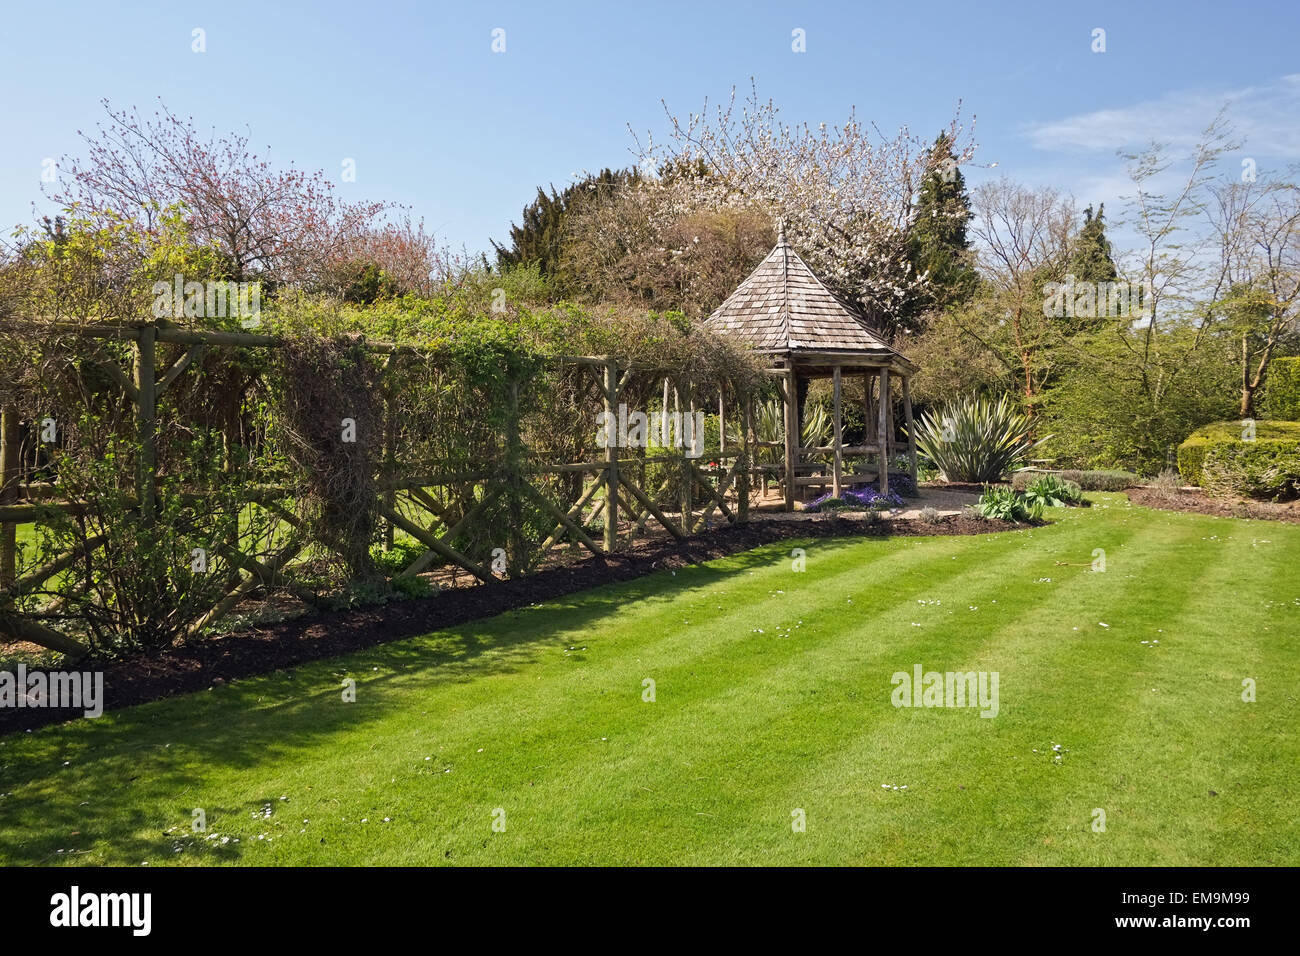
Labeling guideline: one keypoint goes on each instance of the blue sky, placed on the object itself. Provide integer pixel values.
(435, 120)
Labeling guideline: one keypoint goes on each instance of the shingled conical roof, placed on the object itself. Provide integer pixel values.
(783, 307)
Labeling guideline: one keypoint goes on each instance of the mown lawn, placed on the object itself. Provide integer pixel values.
(772, 695)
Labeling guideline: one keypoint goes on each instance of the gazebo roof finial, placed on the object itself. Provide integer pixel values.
(780, 231)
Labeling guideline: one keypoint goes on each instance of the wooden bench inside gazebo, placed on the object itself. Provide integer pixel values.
(786, 313)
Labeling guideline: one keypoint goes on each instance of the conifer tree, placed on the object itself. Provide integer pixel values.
(1090, 259)
(540, 235)
(938, 244)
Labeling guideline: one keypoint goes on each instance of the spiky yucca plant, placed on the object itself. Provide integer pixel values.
(975, 440)
(769, 426)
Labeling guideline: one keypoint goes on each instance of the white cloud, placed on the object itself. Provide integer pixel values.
(1266, 119)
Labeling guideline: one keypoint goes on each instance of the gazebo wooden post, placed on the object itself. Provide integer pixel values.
(890, 424)
(868, 407)
(883, 420)
(791, 433)
(911, 426)
(838, 469)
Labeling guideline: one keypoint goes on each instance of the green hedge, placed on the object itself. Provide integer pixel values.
(1282, 391)
(1276, 444)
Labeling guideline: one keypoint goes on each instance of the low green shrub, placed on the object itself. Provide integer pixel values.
(1053, 491)
(414, 587)
(1102, 480)
(1003, 502)
(392, 562)
(156, 572)
(1262, 465)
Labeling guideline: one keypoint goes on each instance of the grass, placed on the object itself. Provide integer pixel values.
(772, 695)
(25, 536)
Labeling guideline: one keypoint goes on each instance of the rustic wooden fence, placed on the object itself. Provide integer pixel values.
(613, 494)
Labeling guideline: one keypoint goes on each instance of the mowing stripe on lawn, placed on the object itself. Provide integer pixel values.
(1110, 718)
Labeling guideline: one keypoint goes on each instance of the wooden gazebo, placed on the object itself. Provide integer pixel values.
(784, 311)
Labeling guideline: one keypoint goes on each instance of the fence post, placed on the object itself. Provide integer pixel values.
(664, 437)
(688, 476)
(882, 423)
(147, 419)
(722, 423)
(8, 493)
(390, 449)
(837, 471)
(611, 455)
(514, 476)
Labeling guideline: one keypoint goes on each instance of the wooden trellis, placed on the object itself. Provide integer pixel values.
(613, 487)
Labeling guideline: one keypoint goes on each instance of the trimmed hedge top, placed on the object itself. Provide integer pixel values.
(1265, 430)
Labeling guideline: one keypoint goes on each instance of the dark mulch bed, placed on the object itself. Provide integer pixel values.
(222, 658)
(1198, 502)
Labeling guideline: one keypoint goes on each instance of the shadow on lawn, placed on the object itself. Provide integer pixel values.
(55, 780)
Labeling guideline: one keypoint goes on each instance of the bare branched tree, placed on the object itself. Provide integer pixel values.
(1257, 224)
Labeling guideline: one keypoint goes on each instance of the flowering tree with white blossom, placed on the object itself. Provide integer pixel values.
(845, 194)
